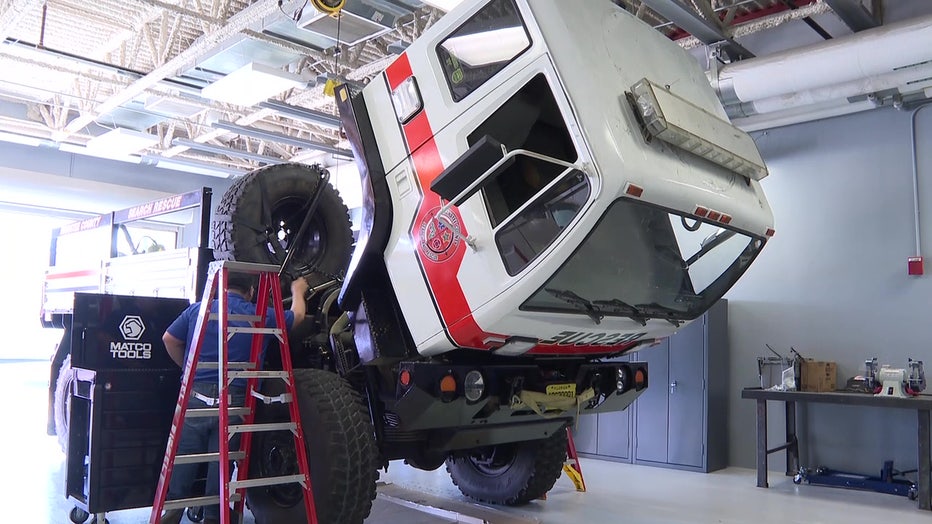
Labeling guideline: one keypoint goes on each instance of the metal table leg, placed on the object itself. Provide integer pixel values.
(762, 442)
(924, 458)
(792, 450)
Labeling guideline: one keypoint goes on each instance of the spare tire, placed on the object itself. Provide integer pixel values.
(260, 215)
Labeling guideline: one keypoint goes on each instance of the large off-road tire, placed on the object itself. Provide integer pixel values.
(341, 448)
(510, 474)
(261, 213)
(61, 407)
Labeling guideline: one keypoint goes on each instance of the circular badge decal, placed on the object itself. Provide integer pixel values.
(439, 236)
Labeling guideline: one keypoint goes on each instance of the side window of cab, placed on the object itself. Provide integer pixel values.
(481, 47)
(532, 201)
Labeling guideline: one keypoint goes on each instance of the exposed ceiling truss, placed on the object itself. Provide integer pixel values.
(74, 70)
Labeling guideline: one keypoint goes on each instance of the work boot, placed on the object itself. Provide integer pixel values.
(171, 516)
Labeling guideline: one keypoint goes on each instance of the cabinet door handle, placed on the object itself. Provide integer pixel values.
(673, 387)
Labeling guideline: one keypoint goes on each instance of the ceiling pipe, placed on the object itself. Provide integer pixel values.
(245, 19)
(868, 53)
(220, 150)
(310, 116)
(280, 138)
(800, 84)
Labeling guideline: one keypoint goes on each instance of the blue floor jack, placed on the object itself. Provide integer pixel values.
(890, 481)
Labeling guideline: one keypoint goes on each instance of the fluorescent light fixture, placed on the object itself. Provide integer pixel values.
(443, 5)
(191, 166)
(25, 140)
(121, 141)
(407, 100)
(251, 84)
(488, 47)
(172, 107)
(681, 124)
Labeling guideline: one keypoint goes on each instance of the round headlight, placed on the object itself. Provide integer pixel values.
(621, 383)
(474, 386)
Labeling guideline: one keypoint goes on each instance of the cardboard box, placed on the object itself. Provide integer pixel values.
(818, 376)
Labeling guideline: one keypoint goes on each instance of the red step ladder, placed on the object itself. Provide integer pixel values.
(234, 490)
(571, 467)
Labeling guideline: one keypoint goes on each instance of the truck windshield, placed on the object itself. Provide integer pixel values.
(642, 262)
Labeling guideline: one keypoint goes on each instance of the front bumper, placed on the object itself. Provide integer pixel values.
(420, 405)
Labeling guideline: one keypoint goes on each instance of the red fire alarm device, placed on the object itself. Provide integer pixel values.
(914, 265)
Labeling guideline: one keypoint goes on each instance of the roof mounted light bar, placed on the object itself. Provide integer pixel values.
(679, 123)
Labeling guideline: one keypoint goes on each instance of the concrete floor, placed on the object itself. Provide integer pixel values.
(31, 487)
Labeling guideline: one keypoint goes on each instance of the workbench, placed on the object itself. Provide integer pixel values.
(921, 404)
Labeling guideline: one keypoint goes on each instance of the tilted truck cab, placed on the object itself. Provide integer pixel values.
(616, 239)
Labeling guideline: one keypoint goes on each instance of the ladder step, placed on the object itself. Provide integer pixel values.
(253, 428)
(215, 412)
(230, 365)
(284, 375)
(232, 330)
(198, 501)
(207, 457)
(237, 318)
(266, 481)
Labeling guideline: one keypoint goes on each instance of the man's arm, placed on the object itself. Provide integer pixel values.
(175, 348)
(298, 303)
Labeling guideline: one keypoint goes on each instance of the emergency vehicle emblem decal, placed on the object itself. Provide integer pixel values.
(439, 235)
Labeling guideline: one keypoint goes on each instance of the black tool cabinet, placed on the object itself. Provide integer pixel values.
(124, 393)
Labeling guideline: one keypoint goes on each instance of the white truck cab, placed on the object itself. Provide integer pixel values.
(564, 181)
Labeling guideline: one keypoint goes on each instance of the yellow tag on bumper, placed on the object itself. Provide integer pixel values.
(563, 390)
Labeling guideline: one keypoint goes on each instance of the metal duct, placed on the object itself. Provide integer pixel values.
(894, 57)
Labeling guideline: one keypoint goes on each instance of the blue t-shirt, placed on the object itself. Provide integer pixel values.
(238, 347)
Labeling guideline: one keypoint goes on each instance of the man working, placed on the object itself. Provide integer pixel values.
(201, 434)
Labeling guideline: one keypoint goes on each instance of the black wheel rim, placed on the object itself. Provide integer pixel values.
(287, 215)
(493, 461)
(278, 459)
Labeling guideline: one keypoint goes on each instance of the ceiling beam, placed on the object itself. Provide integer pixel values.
(706, 31)
(271, 136)
(853, 14)
(245, 19)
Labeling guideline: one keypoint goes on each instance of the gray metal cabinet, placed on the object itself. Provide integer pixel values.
(680, 420)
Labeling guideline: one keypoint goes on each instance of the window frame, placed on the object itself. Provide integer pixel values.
(452, 33)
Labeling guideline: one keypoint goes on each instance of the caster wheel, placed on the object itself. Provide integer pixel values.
(78, 515)
(798, 479)
(912, 494)
(195, 514)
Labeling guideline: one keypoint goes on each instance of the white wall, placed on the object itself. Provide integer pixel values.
(832, 283)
